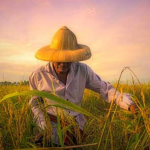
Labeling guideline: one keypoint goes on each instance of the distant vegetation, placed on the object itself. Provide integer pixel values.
(14, 83)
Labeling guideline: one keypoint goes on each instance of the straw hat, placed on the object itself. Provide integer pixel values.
(64, 48)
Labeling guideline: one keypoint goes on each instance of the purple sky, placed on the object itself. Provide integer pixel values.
(118, 33)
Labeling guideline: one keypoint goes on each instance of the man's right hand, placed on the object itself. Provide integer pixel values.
(134, 109)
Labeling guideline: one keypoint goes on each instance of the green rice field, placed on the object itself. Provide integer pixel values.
(107, 128)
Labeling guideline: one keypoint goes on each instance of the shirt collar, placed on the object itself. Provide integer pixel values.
(52, 71)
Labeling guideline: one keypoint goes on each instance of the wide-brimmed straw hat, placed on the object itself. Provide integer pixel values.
(64, 48)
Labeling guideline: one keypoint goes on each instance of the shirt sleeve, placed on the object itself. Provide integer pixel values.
(34, 103)
(106, 90)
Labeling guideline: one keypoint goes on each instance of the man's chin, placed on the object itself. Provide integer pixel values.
(62, 71)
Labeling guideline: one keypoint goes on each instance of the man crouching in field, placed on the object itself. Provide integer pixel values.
(65, 75)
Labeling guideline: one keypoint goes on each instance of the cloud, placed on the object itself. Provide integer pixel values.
(18, 71)
(9, 49)
(86, 12)
(15, 72)
(18, 52)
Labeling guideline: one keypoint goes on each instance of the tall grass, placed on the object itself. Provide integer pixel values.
(123, 130)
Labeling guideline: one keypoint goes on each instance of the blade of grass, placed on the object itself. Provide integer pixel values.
(56, 148)
(59, 129)
(52, 97)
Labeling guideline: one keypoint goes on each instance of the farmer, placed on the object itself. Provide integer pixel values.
(68, 78)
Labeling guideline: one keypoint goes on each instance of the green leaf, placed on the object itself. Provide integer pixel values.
(52, 97)
(59, 129)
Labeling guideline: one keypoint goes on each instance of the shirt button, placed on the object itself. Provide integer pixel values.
(67, 100)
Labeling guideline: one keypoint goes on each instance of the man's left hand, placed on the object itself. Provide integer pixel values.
(133, 108)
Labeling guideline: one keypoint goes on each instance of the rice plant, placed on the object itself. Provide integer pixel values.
(120, 130)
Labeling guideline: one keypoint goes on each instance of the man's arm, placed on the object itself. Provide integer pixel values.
(35, 103)
(107, 91)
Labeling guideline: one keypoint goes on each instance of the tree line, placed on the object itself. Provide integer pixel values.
(15, 83)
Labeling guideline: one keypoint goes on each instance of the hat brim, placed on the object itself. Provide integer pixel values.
(46, 53)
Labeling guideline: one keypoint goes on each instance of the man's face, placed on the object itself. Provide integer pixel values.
(62, 67)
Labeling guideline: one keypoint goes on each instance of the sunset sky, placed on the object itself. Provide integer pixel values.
(117, 32)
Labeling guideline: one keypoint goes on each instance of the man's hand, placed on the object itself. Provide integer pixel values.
(133, 108)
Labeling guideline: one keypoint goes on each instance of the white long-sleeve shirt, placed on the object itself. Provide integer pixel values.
(79, 77)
